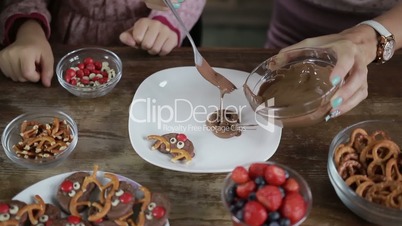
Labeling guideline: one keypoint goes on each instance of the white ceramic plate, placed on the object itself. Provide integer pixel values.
(179, 100)
(47, 188)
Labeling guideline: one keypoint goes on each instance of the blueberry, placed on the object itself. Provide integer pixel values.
(239, 215)
(240, 203)
(233, 209)
(252, 196)
(274, 216)
(282, 191)
(231, 194)
(284, 222)
(260, 181)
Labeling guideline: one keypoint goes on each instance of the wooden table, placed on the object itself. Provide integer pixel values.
(104, 138)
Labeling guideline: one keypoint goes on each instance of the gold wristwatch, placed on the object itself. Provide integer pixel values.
(386, 41)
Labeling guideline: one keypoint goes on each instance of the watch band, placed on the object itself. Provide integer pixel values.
(378, 27)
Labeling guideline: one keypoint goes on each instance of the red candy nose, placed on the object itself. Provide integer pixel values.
(4, 208)
(158, 212)
(67, 186)
(73, 219)
(126, 197)
(181, 137)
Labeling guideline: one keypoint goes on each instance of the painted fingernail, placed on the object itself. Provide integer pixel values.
(176, 5)
(333, 114)
(335, 80)
(336, 102)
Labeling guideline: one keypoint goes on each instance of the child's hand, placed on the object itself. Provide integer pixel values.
(150, 35)
(29, 57)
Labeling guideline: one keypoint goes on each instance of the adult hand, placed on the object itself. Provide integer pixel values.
(150, 35)
(29, 57)
(160, 5)
(355, 49)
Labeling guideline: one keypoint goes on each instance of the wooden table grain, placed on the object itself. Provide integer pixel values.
(104, 138)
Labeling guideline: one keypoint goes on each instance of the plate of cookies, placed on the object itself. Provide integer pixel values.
(176, 121)
(87, 198)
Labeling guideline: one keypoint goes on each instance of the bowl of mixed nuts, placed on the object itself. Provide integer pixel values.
(89, 72)
(39, 140)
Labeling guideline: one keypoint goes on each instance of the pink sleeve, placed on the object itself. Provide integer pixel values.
(15, 11)
(189, 11)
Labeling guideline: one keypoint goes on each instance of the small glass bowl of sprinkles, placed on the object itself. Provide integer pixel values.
(89, 72)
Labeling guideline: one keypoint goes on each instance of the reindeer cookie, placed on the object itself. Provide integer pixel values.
(175, 144)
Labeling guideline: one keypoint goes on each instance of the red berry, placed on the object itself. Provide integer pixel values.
(244, 190)
(158, 212)
(275, 175)
(86, 72)
(291, 185)
(88, 60)
(293, 207)
(256, 169)
(181, 137)
(270, 196)
(254, 214)
(73, 82)
(70, 73)
(103, 80)
(85, 80)
(240, 175)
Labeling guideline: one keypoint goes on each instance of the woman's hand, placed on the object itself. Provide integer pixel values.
(355, 49)
(160, 5)
(29, 57)
(150, 35)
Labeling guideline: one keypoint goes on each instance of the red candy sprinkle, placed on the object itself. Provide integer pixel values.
(158, 212)
(4, 208)
(181, 137)
(126, 198)
(73, 219)
(67, 186)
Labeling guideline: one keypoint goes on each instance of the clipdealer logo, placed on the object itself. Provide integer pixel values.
(182, 112)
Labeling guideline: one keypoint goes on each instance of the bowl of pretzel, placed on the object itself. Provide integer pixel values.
(38, 140)
(365, 169)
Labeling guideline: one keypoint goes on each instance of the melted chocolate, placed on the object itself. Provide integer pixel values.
(226, 126)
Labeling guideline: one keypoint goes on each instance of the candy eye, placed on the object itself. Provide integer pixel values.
(44, 218)
(119, 193)
(76, 185)
(115, 202)
(180, 145)
(151, 206)
(148, 216)
(173, 140)
(71, 193)
(14, 209)
(4, 217)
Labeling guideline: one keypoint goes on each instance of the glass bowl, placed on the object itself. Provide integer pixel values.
(95, 80)
(304, 190)
(44, 150)
(370, 211)
(292, 88)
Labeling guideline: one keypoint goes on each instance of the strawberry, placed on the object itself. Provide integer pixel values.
(275, 175)
(291, 185)
(254, 213)
(256, 169)
(244, 190)
(240, 175)
(293, 207)
(270, 196)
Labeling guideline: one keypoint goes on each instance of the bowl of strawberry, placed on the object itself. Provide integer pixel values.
(89, 72)
(266, 193)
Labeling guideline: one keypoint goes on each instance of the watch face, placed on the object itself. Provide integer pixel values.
(388, 50)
